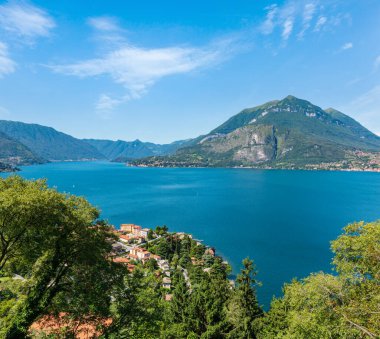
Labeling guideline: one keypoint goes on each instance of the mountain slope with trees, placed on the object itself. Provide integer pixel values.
(13, 153)
(47, 143)
(288, 133)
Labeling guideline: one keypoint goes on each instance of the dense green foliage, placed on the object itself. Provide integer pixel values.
(47, 143)
(55, 258)
(290, 133)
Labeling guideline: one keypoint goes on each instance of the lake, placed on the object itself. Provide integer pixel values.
(284, 220)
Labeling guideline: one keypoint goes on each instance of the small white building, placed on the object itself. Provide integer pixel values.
(166, 283)
(144, 232)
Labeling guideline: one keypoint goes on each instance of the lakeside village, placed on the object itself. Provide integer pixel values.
(156, 249)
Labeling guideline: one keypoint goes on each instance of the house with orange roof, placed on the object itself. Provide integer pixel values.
(121, 260)
(140, 253)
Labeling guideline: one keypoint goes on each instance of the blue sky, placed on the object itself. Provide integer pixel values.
(167, 70)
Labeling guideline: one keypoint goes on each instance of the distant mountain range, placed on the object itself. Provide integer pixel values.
(288, 133)
(25, 144)
(123, 151)
(49, 144)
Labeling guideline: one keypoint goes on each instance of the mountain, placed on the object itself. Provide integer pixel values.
(122, 151)
(13, 153)
(47, 143)
(288, 133)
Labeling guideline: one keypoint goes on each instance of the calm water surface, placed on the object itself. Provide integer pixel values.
(284, 220)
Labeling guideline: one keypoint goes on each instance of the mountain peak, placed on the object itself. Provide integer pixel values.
(291, 97)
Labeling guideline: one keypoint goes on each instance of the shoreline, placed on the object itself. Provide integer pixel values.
(377, 170)
(266, 168)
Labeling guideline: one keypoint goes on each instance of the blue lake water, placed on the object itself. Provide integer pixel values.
(284, 220)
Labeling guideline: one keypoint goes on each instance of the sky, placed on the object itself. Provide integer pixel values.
(169, 70)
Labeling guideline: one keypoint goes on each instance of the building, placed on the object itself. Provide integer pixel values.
(210, 251)
(139, 254)
(144, 232)
(207, 269)
(166, 283)
(121, 260)
(136, 230)
(127, 227)
(124, 237)
(163, 265)
(182, 235)
(168, 297)
(131, 228)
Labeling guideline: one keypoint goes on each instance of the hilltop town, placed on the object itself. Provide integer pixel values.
(147, 248)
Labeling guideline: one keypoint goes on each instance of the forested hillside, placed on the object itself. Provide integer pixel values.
(59, 276)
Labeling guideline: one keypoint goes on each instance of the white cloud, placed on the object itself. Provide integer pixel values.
(269, 23)
(322, 20)
(301, 17)
(104, 23)
(7, 65)
(137, 69)
(106, 104)
(25, 20)
(307, 17)
(347, 45)
(287, 28)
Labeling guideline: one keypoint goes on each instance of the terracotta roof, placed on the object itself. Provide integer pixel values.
(83, 329)
(121, 260)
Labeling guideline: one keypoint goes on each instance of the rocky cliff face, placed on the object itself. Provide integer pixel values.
(282, 133)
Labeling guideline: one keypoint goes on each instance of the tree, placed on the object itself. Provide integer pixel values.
(53, 242)
(150, 234)
(334, 306)
(243, 307)
(138, 307)
(180, 300)
(151, 265)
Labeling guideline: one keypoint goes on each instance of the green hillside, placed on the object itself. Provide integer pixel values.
(48, 143)
(288, 133)
(15, 153)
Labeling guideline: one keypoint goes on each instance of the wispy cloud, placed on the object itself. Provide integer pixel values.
(7, 65)
(347, 45)
(107, 30)
(299, 17)
(287, 28)
(104, 23)
(137, 68)
(307, 17)
(321, 22)
(23, 20)
(269, 23)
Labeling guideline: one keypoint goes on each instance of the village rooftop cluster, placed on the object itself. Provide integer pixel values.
(129, 250)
